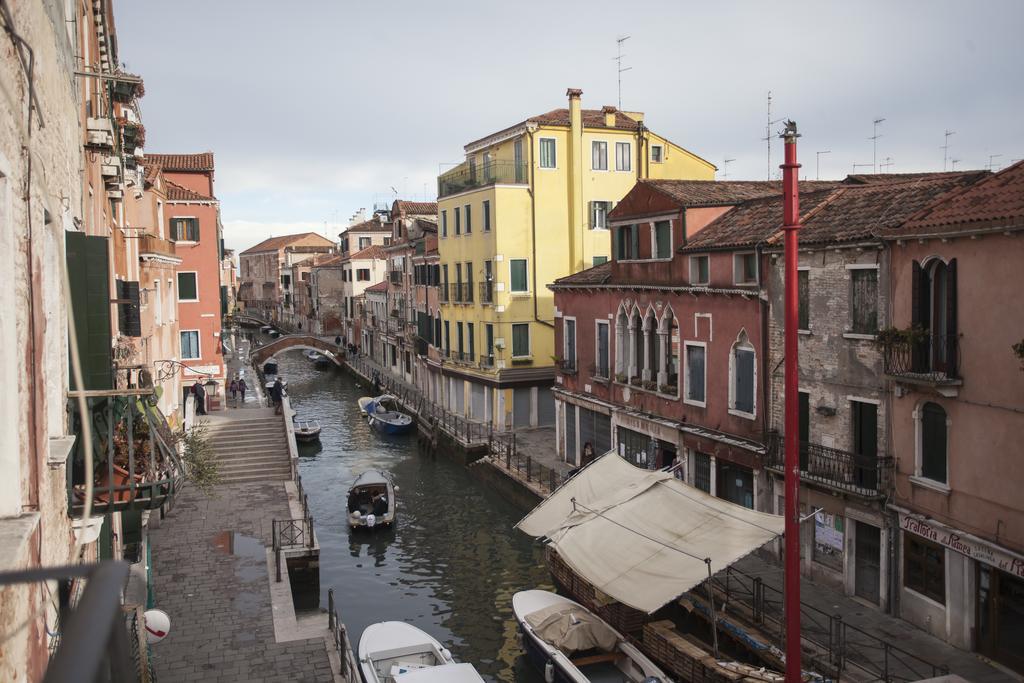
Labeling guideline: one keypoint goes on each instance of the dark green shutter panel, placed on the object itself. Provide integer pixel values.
(88, 270)
(223, 300)
(128, 321)
(634, 239)
(950, 342)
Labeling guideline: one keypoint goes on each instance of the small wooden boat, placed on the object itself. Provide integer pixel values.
(386, 401)
(270, 368)
(571, 644)
(371, 500)
(388, 421)
(306, 431)
(274, 334)
(397, 652)
(310, 354)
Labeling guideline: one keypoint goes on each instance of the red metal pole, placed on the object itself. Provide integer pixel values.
(791, 224)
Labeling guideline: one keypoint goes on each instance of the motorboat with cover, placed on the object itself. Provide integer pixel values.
(371, 500)
(396, 652)
(387, 421)
(571, 644)
(306, 431)
(387, 401)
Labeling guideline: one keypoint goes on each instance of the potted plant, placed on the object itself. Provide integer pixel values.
(620, 377)
(649, 384)
(667, 389)
(200, 464)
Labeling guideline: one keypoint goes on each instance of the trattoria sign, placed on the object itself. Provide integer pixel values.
(963, 543)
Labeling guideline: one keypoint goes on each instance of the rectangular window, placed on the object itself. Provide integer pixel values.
(700, 270)
(458, 220)
(190, 345)
(598, 260)
(803, 287)
(517, 272)
(599, 215)
(547, 153)
(467, 294)
(444, 223)
(487, 215)
(469, 219)
(657, 153)
(185, 229)
(458, 336)
(363, 274)
(569, 342)
(744, 268)
(702, 471)
(364, 243)
(489, 339)
(864, 294)
(663, 239)
(601, 364)
(695, 373)
(743, 380)
(448, 337)
(471, 337)
(520, 340)
(924, 567)
(599, 155)
(623, 157)
(627, 241)
(188, 287)
(865, 428)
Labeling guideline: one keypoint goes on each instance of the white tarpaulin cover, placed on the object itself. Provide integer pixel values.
(641, 537)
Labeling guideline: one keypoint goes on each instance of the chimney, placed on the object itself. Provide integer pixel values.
(609, 115)
(577, 219)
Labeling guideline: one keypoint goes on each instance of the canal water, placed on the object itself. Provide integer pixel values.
(454, 561)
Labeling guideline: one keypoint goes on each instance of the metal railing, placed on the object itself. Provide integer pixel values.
(505, 454)
(836, 646)
(487, 361)
(135, 464)
(395, 276)
(487, 292)
(598, 372)
(462, 356)
(860, 474)
(567, 366)
(934, 358)
(442, 292)
(467, 176)
(339, 634)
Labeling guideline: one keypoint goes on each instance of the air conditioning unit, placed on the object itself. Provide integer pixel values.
(499, 343)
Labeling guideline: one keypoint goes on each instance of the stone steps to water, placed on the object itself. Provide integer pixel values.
(251, 449)
(276, 441)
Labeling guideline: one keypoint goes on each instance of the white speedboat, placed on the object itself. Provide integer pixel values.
(384, 401)
(371, 500)
(396, 652)
(571, 644)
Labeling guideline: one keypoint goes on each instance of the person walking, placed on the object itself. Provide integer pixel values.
(200, 394)
(233, 388)
(241, 389)
(276, 395)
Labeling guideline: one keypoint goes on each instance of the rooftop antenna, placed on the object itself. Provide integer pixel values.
(953, 163)
(991, 162)
(618, 60)
(856, 166)
(725, 168)
(887, 163)
(817, 163)
(945, 148)
(768, 133)
(874, 144)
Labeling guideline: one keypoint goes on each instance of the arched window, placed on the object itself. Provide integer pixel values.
(636, 328)
(668, 378)
(652, 362)
(743, 377)
(934, 309)
(934, 448)
(621, 343)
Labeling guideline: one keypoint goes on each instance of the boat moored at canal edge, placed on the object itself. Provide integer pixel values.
(388, 421)
(396, 652)
(306, 431)
(571, 644)
(385, 401)
(371, 500)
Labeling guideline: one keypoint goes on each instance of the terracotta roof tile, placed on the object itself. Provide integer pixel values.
(372, 225)
(275, 243)
(374, 251)
(416, 208)
(995, 202)
(379, 287)
(875, 178)
(592, 118)
(331, 261)
(180, 193)
(597, 275)
(725, 192)
(202, 161)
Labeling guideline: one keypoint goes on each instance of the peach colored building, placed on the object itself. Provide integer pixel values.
(192, 216)
(958, 417)
(265, 279)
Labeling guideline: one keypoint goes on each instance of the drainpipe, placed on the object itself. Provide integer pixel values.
(575, 179)
(533, 232)
(791, 226)
(762, 314)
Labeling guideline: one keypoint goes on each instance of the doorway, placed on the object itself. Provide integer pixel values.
(867, 561)
(1000, 616)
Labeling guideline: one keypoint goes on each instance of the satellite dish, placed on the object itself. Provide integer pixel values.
(158, 625)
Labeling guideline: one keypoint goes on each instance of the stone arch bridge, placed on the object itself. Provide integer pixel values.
(297, 341)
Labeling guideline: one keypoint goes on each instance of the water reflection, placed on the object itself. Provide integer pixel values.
(453, 562)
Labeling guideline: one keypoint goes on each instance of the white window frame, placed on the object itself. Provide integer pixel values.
(444, 223)
(662, 154)
(736, 261)
(746, 346)
(540, 161)
(512, 343)
(593, 148)
(519, 291)
(849, 333)
(654, 239)
(597, 348)
(611, 205)
(195, 274)
(918, 478)
(686, 374)
(628, 157)
(575, 345)
(467, 223)
(486, 210)
(199, 345)
(692, 279)
(158, 304)
(172, 235)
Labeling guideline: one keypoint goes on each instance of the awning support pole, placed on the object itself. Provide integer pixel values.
(714, 612)
(791, 227)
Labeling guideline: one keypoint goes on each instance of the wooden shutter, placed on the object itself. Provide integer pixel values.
(918, 353)
(634, 241)
(89, 272)
(745, 380)
(951, 342)
(128, 321)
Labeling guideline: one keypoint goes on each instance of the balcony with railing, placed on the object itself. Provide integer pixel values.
(867, 476)
(487, 292)
(469, 177)
(487, 361)
(151, 245)
(395, 276)
(442, 292)
(466, 292)
(464, 357)
(135, 464)
(567, 366)
(599, 373)
(918, 357)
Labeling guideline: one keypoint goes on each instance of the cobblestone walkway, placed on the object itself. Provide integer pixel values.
(210, 575)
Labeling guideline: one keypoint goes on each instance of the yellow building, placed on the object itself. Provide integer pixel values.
(530, 205)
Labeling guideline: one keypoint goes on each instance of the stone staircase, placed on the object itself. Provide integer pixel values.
(251, 449)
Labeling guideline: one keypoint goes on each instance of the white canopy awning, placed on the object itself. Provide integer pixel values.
(642, 537)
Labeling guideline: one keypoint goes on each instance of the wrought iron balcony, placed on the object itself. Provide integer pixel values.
(599, 373)
(466, 295)
(567, 366)
(395, 276)
(487, 292)
(467, 176)
(135, 463)
(927, 359)
(487, 361)
(442, 292)
(865, 476)
(462, 357)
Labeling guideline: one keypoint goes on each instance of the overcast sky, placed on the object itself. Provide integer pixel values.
(315, 109)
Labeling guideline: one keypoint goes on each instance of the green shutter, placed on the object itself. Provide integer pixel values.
(634, 241)
(518, 268)
(89, 272)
